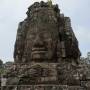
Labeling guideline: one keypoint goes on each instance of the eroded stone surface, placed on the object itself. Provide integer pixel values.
(45, 35)
(46, 52)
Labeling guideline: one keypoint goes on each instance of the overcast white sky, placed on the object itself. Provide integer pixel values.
(14, 11)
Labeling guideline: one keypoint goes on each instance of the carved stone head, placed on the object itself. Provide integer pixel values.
(45, 35)
(42, 36)
(38, 35)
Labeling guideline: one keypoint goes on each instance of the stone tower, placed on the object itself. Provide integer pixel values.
(45, 36)
(46, 52)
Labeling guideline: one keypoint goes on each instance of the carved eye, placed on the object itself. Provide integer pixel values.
(46, 36)
(31, 36)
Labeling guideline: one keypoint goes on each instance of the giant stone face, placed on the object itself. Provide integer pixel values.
(38, 41)
(41, 42)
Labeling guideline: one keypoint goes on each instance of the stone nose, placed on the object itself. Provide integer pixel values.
(38, 42)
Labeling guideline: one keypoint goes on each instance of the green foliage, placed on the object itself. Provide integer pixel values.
(50, 3)
(1, 71)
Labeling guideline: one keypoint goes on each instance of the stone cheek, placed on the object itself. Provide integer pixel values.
(40, 43)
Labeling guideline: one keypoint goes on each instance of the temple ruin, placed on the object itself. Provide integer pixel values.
(46, 53)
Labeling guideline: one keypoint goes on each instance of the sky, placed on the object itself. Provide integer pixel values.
(14, 11)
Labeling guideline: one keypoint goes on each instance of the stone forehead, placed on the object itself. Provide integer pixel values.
(44, 28)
